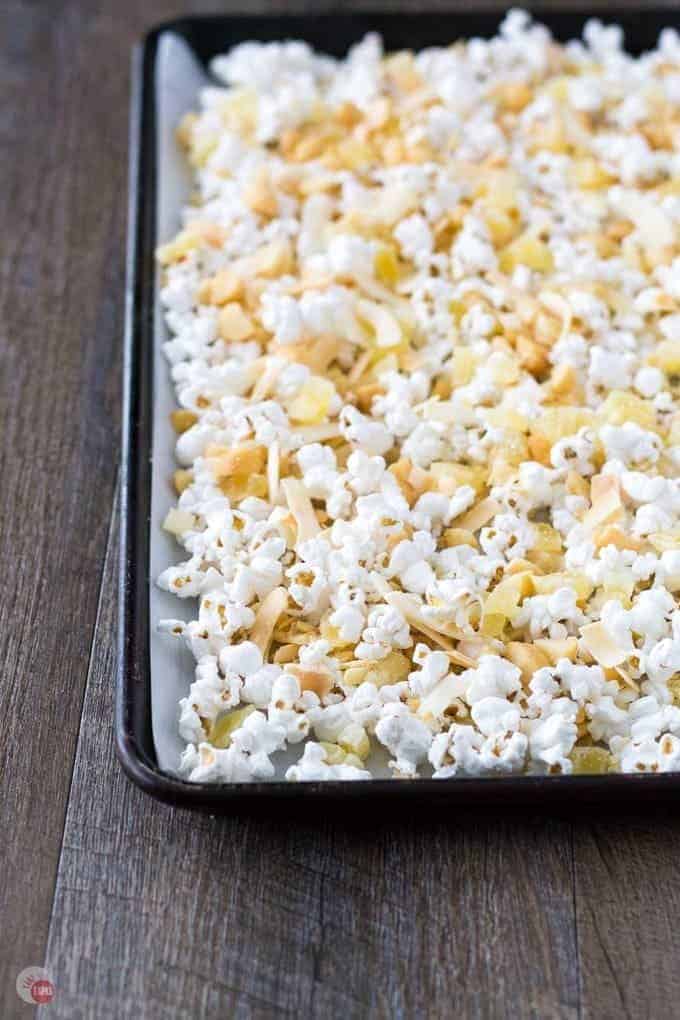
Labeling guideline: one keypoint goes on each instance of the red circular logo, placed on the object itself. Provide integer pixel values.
(35, 986)
(42, 991)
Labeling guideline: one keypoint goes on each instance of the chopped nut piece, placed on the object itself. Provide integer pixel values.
(223, 287)
(234, 324)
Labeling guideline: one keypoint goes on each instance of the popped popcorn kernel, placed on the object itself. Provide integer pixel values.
(424, 329)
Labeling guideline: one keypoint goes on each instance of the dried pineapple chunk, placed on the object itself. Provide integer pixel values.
(462, 366)
(177, 522)
(353, 739)
(179, 247)
(555, 423)
(222, 728)
(313, 401)
(527, 250)
(501, 225)
(335, 755)
(245, 459)
(662, 541)
(504, 369)
(590, 761)
(546, 584)
(182, 419)
(386, 264)
(503, 603)
(513, 96)
(449, 476)
(590, 175)
(500, 188)
(506, 418)
(182, 479)
(666, 356)
(239, 487)
(546, 552)
(620, 407)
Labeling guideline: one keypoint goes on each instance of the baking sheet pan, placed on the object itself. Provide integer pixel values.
(153, 670)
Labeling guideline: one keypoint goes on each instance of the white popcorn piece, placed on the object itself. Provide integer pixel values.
(424, 333)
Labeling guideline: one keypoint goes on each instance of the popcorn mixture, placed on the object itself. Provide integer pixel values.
(425, 317)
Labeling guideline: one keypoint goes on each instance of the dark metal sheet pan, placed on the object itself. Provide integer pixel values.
(208, 36)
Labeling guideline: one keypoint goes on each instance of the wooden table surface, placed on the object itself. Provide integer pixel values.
(142, 911)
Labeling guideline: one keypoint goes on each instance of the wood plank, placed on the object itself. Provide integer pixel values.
(628, 901)
(159, 913)
(175, 916)
(60, 324)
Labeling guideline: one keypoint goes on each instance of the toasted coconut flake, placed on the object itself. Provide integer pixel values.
(317, 680)
(385, 326)
(383, 294)
(597, 640)
(626, 679)
(566, 648)
(323, 351)
(286, 653)
(267, 617)
(559, 307)
(273, 471)
(654, 228)
(300, 506)
(413, 614)
(479, 515)
(442, 695)
(611, 535)
(605, 496)
(318, 433)
(474, 647)
(266, 381)
(359, 367)
(527, 657)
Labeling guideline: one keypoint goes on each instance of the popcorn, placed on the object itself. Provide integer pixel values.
(425, 339)
(551, 739)
(404, 736)
(386, 629)
(371, 436)
(463, 751)
(630, 444)
(313, 766)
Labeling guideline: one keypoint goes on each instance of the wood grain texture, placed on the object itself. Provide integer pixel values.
(60, 323)
(628, 900)
(157, 913)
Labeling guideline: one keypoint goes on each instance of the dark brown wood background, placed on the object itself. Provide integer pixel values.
(142, 911)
